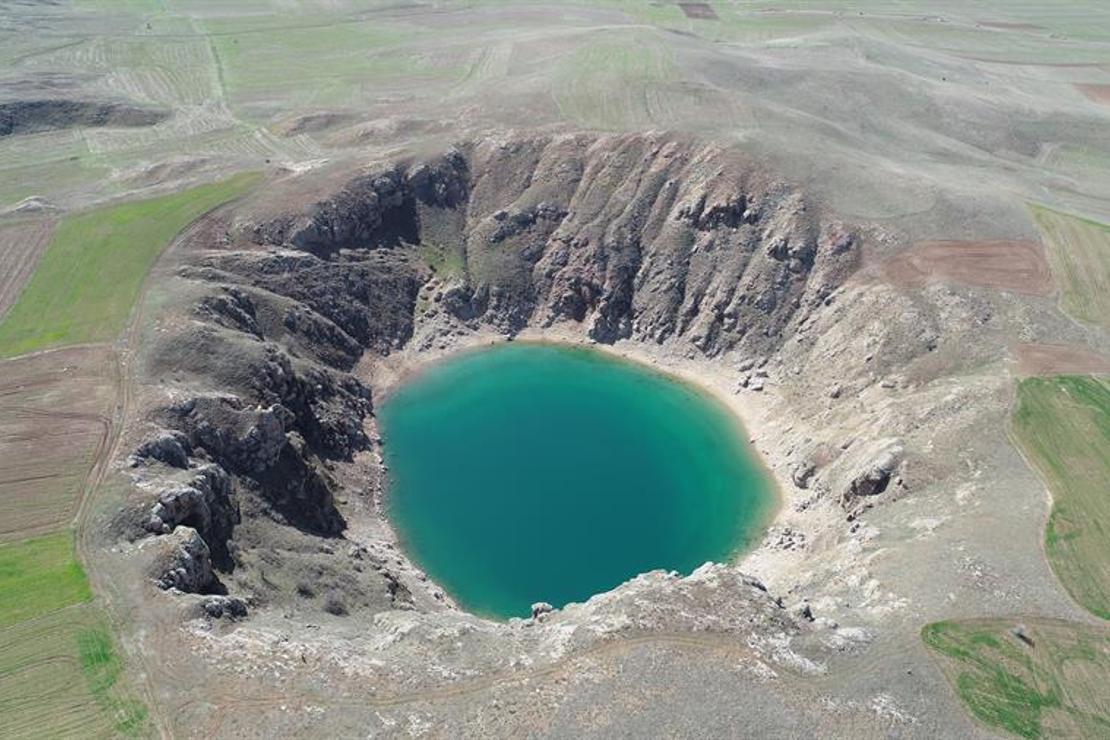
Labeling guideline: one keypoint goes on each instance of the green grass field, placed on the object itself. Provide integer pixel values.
(1063, 425)
(38, 576)
(616, 83)
(1079, 255)
(93, 269)
(61, 676)
(1055, 687)
(1060, 685)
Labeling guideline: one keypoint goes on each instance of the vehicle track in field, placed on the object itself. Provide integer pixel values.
(612, 647)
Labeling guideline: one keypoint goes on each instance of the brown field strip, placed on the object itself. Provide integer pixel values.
(1059, 359)
(1018, 267)
(701, 11)
(21, 245)
(1097, 93)
(54, 409)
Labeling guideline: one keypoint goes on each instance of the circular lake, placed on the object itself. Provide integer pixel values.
(537, 472)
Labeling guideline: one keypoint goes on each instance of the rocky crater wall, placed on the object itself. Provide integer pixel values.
(651, 238)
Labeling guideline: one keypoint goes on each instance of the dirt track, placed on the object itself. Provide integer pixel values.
(708, 642)
(1018, 267)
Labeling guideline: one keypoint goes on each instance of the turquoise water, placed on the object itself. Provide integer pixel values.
(535, 472)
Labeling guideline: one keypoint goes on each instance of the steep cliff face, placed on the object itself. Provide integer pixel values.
(648, 237)
(643, 237)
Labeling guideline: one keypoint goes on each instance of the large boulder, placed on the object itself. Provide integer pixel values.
(169, 447)
(875, 477)
(204, 504)
(183, 562)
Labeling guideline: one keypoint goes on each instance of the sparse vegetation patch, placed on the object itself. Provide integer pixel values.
(102, 669)
(1038, 678)
(617, 82)
(60, 676)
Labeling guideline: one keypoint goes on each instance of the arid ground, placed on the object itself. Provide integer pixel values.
(876, 230)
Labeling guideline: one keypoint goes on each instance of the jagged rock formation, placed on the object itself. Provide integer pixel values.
(645, 237)
(183, 562)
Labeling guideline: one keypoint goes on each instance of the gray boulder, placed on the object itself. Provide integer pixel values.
(205, 504)
(169, 447)
(184, 562)
(802, 474)
(224, 607)
(875, 478)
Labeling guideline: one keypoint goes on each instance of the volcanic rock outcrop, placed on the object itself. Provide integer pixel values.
(651, 238)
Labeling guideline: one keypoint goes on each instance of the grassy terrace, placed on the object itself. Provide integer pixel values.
(1053, 681)
(1063, 424)
(1079, 254)
(93, 269)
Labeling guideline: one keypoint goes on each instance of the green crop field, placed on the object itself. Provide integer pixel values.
(1079, 254)
(1063, 424)
(269, 64)
(618, 82)
(1050, 684)
(92, 271)
(61, 676)
(1048, 678)
(38, 576)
